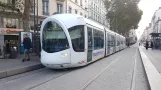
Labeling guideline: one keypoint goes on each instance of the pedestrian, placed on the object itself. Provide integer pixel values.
(27, 46)
(152, 45)
(8, 48)
(128, 44)
(147, 45)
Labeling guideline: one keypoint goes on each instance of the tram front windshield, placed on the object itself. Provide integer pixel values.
(54, 38)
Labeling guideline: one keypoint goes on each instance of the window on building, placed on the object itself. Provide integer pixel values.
(45, 6)
(94, 17)
(81, 3)
(77, 38)
(59, 8)
(76, 11)
(11, 23)
(94, 6)
(76, 1)
(32, 7)
(11, 2)
(70, 9)
(81, 14)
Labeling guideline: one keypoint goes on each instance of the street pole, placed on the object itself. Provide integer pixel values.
(37, 44)
(37, 16)
(34, 16)
(34, 29)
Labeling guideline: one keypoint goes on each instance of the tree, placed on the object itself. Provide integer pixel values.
(123, 15)
(19, 9)
(26, 15)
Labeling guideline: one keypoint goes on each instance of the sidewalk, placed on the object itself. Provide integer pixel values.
(154, 56)
(152, 63)
(9, 67)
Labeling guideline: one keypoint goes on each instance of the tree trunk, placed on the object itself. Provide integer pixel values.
(26, 15)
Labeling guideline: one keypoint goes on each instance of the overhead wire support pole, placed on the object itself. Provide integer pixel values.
(34, 39)
(34, 16)
(37, 44)
(37, 15)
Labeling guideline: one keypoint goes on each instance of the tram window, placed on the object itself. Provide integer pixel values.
(98, 39)
(109, 40)
(54, 38)
(118, 42)
(90, 37)
(77, 38)
(113, 40)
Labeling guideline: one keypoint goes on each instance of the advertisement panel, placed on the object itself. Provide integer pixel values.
(29, 34)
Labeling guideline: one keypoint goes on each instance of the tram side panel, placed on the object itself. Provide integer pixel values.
(99, 44)
(78, 38)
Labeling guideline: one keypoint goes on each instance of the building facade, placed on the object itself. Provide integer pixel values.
(45, 9)
(77, 7)
(132, 36)
(97, 11)
(156, 21)
(153, 31)
(11, 18)
(146, 36)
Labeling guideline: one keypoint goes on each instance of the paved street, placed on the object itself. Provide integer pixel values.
(120, 71)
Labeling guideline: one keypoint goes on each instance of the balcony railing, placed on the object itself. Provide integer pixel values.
(61, 0)
(45, 13)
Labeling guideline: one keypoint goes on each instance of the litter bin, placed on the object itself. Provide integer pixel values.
(1, 52)
(13, 53)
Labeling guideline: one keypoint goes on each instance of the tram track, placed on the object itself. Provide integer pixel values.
(18, 76)
(43, 71)
(85, 85)
(106, 68)
(48, 78)
(95, 77)
(91, 80)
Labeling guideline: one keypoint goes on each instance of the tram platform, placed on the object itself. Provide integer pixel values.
(10, 67)
(152, 64)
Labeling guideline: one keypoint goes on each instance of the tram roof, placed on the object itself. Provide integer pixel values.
(79, 20)
(75, 19)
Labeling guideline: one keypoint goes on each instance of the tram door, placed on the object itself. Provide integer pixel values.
(90, 44)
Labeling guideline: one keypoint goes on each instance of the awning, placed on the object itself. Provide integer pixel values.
(155, 34)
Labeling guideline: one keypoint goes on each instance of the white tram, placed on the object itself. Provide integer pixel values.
(69, 40)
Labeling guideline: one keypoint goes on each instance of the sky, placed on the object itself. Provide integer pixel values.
(148, 7)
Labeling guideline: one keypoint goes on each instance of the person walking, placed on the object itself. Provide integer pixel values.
(152, 45)
(147, 45)
(27, 47)
(8, 50)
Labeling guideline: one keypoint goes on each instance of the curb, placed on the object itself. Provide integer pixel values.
(154, 78)
(20, 70)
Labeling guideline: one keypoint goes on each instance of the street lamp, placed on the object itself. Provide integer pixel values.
(37, 15)
(35, 26)
(34, 16)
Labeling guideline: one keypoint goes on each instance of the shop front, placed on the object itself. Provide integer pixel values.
(156, 38)
(8, 38)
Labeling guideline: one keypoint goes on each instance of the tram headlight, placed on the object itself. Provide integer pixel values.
(65, 54)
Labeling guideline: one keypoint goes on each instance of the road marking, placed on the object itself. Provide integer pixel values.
(134, 72)
(91, 80)
(153, 75)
